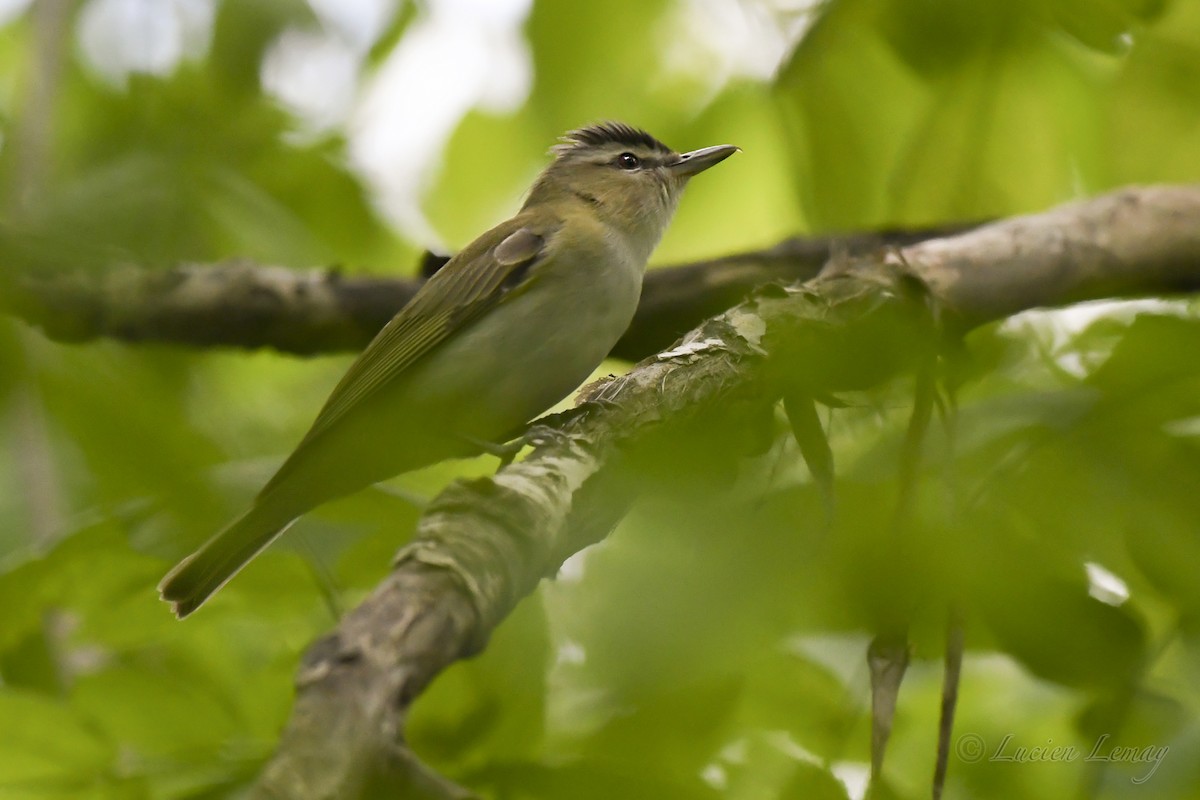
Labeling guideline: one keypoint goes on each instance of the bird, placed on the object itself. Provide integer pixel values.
(504, 330)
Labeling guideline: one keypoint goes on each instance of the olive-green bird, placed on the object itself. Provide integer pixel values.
(506, 329)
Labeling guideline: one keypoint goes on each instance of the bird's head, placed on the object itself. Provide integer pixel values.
(629, 179)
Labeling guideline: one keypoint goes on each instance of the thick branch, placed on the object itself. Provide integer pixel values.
(1133, 242)
(240, 303)
(486, 543)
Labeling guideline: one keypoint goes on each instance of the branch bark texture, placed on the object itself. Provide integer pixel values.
(241, 303)
(484, 544)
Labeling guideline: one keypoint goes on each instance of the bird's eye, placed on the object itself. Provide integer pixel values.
(628, 161)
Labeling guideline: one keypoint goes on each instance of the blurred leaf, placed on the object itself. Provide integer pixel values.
(813, 783)
(794, 694)
(489, 163)
(53, 748)
(1152, 102)
(491, 707)
(89, 571)
(154, 712)
(670, 732)
(131, 401)
(588, 779)
(953, 87)
(748, 201)
(1133, 719)
(1144, 357)
(1108, 643)
(242, 33)
(713, 646)
(594, 61)
(843, 151)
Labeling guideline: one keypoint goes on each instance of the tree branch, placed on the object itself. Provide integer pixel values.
(484, 544)
(241, 303)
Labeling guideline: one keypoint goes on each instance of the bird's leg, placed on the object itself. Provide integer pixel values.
(551, 427)
(505, 450)
(533, 434)
(576, 413)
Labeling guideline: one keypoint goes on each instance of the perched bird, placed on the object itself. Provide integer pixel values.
(506, 329)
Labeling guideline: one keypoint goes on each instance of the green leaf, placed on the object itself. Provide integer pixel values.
(1015, 588)
(50, 746)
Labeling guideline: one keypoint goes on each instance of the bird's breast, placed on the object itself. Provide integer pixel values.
(535, 347)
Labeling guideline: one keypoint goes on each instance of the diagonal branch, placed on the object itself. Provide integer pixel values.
(484, 544)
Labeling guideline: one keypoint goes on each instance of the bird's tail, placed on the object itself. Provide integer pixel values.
(201, 574)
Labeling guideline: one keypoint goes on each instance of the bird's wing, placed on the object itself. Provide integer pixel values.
(470, 284)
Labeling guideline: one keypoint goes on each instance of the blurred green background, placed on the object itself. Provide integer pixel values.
(714, 646)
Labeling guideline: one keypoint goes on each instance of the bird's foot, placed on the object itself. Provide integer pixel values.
(505, 451)
(539, 433)
(575, 413)
(542, 431)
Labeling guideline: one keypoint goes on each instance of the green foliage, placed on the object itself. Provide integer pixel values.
(714, 645)
(910, 113)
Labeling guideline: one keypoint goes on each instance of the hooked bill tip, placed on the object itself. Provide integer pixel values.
(699, 160)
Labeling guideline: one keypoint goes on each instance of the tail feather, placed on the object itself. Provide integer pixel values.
(201, 574)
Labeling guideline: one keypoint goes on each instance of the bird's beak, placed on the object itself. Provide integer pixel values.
(697, 161)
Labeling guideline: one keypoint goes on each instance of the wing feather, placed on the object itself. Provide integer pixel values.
(471, 283)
